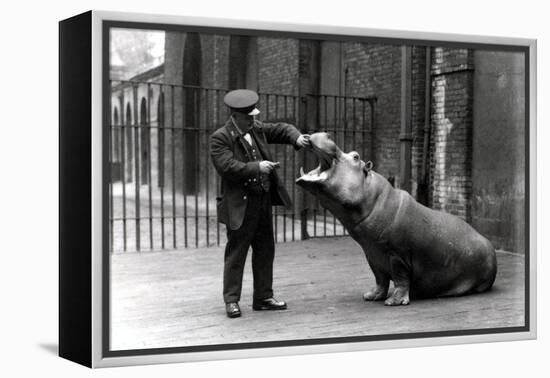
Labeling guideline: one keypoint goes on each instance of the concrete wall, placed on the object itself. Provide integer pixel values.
(451, 133)
(498, 169)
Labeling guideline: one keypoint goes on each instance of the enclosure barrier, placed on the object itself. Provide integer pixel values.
(163, 186)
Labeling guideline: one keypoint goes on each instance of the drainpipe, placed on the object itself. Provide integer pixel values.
(405, 137)
(423, 184)
(309, 83)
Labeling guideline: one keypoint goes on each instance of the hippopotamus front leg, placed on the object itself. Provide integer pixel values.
(401, 282)
(380, 291)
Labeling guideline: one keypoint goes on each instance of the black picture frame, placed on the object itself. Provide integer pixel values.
(84, 288)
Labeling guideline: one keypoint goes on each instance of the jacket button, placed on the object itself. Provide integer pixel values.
(244, 197)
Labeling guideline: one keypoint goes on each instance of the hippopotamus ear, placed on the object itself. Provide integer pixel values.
(368, 167)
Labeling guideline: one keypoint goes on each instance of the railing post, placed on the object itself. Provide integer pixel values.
(405, 136)
(136, 162)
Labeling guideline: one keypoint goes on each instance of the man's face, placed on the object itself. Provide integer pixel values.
(243, 117)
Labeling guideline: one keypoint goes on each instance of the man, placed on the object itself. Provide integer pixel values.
(250, 186)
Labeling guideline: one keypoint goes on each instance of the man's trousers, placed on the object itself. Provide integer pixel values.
(256, 231)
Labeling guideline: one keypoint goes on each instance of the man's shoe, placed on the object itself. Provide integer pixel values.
(268, 304)
(232, 309)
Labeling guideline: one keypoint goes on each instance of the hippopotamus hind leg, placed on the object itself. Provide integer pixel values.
(401, 282)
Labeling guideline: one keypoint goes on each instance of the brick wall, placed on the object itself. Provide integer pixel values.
(451, 134)
(278, 65)
(375, 70)
(367, 70)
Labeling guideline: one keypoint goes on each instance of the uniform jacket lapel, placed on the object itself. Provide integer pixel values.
(261, 142)
(237, 137)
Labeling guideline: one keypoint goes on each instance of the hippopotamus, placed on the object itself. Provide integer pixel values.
(426, 253)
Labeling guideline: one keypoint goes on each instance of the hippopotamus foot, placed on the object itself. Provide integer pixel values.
(400, 296)
(378, 293)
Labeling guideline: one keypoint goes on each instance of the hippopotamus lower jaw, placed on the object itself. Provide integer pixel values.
(319, 174)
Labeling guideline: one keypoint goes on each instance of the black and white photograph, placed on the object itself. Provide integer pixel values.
(273, 189)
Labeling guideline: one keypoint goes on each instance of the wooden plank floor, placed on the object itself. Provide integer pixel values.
(167, 299)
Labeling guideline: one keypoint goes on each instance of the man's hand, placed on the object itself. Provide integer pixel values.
(303, 141)
(267, 166)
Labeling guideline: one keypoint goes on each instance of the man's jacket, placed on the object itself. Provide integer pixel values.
(230, 159)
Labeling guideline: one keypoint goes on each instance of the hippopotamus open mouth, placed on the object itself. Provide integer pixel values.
(427, 252)
(329, 156)
(327, 151)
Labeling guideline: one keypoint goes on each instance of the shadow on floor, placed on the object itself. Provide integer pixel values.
(50, 348)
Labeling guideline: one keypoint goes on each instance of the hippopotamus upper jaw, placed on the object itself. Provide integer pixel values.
(328, 154)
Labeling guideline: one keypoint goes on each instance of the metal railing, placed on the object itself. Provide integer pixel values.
(163, 187)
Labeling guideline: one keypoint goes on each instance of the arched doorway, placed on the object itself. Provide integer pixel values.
(115, 146)
(145, 139)
(243, 62)
(191, 81)
(116, 136)
(161, 139)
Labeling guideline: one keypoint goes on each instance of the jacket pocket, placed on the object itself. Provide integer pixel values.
(221, 209)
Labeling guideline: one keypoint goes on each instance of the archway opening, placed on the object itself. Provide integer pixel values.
(243, 62)
(161, 139)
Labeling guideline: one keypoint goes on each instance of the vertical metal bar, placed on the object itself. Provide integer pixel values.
(276, 157)
(363, 131)
(184, 93)
(285, 109)
(354, 125)
(325, 111)
(173, 165)
(137, 172)
(336, 107)
(196, 140)
(324, 222)
(304, 212)
(218, 119)
(161, 118)
(336, 118)
(111, 211)
(315, 222)
(149, 150)
(325, 120)
(206, 162)
(294, 106)
(123, 175)
(267, 119)
(372, 128)
(345, 123)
